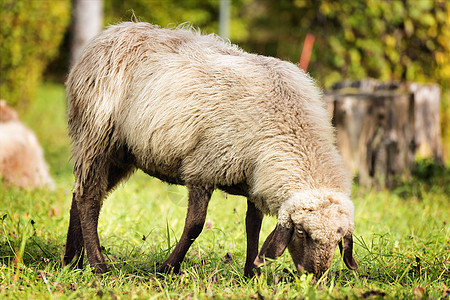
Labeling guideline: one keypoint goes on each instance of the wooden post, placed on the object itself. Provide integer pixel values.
(306, 52)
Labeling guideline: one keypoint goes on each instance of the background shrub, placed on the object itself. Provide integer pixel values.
(30, 34)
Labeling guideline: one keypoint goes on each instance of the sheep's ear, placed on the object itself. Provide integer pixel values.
(346, 245)
(274, 245)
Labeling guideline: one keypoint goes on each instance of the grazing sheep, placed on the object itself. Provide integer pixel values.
(194, 110)
(21, 158)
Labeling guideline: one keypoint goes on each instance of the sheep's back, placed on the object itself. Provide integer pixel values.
(195, 108)
(197, 116)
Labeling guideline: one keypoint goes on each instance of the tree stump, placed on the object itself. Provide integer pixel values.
(375, 134)
(427, 98)
(381, 127)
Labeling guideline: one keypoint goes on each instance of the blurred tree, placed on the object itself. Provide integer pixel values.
(87, 22)
(30, 34)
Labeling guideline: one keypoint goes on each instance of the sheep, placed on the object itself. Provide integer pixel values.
(22, 162)
(194, 110)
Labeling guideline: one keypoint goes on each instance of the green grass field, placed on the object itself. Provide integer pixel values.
(402, 238)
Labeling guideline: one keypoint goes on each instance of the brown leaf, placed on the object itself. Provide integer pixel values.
(228, 258)
(54, 212)
(373, 293)
(419, 291)
(60, 288)
(208, 225)
(446, 290)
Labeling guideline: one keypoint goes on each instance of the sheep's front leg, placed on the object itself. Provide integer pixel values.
(74, 242)
(253, 221)
(195, 219)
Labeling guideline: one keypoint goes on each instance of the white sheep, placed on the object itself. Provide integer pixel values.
(22, 162)
(195, 110)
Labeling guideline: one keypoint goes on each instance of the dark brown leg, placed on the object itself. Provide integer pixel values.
(91, 180)
(195, 219)
(74, 242)
(89, 205)
(84, 215)
(253, 222)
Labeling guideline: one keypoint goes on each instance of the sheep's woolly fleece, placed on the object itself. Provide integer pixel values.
(196, 108)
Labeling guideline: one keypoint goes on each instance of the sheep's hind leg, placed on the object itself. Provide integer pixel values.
(195, 219)
(253, 221)
(74, 242)
(90, 188)
(89, 205)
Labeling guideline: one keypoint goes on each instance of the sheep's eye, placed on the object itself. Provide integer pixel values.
(300, 231)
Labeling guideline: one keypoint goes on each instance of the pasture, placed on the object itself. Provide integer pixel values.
(402, 237)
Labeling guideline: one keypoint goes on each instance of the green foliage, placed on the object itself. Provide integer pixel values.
(402, 40)
(401, 240)
(30, 34)
(203, 14)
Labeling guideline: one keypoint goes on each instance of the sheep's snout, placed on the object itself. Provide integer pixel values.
(309, 255)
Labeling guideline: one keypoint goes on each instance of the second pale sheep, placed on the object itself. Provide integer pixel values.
(22, 162)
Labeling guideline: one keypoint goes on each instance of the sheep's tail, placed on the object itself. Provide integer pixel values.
(91, 148)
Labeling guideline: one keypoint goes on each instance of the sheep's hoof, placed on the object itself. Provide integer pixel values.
(168, 269)
(75, 262)
(252, 272)
(100, 268)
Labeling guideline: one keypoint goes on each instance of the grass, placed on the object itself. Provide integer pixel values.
(402, 240)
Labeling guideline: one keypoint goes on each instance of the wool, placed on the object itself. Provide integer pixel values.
(194, 109)
(211, 112)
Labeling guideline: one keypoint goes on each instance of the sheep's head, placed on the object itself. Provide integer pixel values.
(311, 225)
